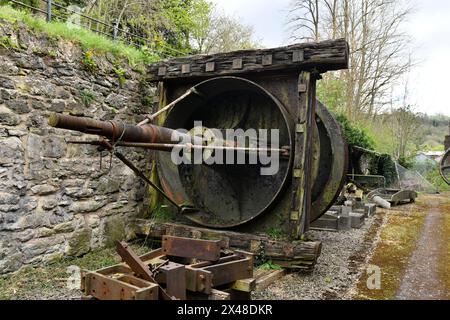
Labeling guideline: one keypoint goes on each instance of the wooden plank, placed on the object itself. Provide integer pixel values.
(302, 168)
(208, 250)
(269, 278)
(246, 285)
(323, 56)
(218, 295)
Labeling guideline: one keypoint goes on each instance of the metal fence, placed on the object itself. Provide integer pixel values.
(112, 31)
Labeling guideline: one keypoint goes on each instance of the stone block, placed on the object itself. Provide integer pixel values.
(79, 243)
(346, 210)
(345, 223)
(370, 209)
(327, 222)
(357, 220)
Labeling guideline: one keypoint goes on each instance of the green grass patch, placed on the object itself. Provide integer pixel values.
(88, 40)
(50, 281)
(269, 265)
(162, 214)
(87, 97)
(398, 240)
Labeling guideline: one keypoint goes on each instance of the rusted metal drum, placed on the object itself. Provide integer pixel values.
(229, 195)
(445, 167)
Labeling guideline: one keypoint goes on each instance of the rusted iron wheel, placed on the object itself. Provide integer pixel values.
(445, 167)
(232, 195)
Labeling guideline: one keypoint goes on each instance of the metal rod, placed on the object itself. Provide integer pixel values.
(28, 6)
(169, 106)
(169, 147)
(139, 173)
(49, 10)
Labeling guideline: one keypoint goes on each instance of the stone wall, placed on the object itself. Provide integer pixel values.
(56, 199)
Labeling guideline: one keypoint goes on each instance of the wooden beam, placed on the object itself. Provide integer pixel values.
(322, 56)
(268, 278)
(293, 254)
(302, 170)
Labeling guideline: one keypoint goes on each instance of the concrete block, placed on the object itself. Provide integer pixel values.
(358, 204)
(370, 209)
(327, 222)
(338, 209)
(346, 210)
(345, 223)
(357, 220)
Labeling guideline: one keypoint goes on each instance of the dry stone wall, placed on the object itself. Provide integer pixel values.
(56, 199)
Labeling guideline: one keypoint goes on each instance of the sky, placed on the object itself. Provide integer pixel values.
(428, 25)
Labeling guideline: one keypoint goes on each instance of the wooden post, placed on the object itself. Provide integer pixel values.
(302, 169)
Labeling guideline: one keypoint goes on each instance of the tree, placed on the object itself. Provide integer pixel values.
(217, 32)
(378, 46)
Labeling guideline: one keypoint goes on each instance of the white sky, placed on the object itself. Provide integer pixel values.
(429, 27)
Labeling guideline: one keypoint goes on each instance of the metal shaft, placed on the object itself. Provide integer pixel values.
(118, 131)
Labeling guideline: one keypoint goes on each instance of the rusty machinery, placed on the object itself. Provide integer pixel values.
(445, 162)
(445, 167)
(253, 89)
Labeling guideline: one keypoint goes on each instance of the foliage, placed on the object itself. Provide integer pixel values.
(406, 162)
(434, 177)
(7, 43)
(88, 61)
(88, 40)
(222, 33)
(330, 91)
(354, 134)
(162, 214)
(87, 97)
(120, 72)
(49, 280)
(275, 233)
(269, 265)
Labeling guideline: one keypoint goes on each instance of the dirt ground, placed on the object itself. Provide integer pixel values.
(409, 244)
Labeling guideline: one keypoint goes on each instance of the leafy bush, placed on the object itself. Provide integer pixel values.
(354, 134)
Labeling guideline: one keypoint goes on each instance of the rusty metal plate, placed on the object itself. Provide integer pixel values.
(227, 195)
(175, 275)
(198, 280)
(332, 165)
(445, 167)
(191, 248)
(104, 288)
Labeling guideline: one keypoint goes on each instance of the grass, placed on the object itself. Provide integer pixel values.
(398, 240)
(87, 97)
(49, 281)
(162, 214)
(88, 40)
(269, 265)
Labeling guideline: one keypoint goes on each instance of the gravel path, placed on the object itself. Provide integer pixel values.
(421, 280)
(337, 269)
